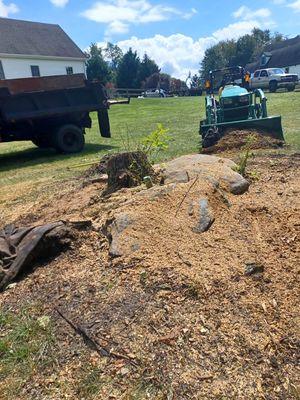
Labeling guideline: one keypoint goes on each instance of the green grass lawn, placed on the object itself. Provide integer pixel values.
(26, 170)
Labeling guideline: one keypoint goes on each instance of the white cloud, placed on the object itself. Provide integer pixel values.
(59, 3)
(178, 54)
(245, 13)
(234, 31)
(117, 27)
(295, 5)
(120, 14)
(5, 10)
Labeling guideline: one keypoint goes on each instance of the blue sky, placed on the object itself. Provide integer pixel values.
(174, 33)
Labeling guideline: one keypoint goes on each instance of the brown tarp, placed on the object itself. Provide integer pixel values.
(18, 248)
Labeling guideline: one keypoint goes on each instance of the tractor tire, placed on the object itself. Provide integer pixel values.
(291, 88)
(209, 139)
(69, 139)
(273, 86)
(42, 141)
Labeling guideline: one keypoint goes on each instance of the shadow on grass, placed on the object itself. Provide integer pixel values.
(35, 156)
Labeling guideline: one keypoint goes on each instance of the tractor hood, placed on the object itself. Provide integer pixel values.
(233, 91)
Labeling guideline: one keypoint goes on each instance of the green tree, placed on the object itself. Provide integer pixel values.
(127, 71)
(237, 52)
(196, 81)
(96, 66)
(177, 85)
(245, 49)
(158, 81)
(218, 56)
(113, 54)
(147, 68)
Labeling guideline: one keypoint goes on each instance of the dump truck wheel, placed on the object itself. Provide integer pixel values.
(291, 88)
(273, 86)
(69, 139)
(42, 141)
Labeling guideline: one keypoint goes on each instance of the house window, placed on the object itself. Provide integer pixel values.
(35, 70)
(2, 76)
(69, 70)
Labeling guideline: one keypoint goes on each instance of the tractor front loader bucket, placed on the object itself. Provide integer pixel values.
(269, 126)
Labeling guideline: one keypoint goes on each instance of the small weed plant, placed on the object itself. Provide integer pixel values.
(156, 142)
(244, 156)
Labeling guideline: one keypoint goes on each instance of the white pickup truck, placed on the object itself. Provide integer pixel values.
(273, 79)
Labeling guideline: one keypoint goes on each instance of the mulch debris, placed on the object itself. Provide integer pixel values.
(182, 311)
(237, 139)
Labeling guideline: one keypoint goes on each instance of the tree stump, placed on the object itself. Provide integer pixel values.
(127, 170)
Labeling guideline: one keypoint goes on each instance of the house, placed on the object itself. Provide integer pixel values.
(285, 54)
(36, 49)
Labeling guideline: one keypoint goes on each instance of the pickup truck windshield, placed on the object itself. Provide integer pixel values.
(276, 71)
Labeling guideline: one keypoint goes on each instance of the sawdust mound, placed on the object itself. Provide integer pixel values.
(237, 139)
(181, 309)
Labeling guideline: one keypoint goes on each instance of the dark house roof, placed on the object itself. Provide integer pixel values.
(280, 54)
(36, 39)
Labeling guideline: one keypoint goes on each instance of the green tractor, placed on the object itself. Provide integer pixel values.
(238, 108)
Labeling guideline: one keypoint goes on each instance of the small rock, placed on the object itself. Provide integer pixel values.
(236, 183)
(252, 268)
(205, 217)
(124, 371)
(114, 231)
(190, 209)
(11, 285)
(43, 322)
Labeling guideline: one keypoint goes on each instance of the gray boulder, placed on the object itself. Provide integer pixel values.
(208, 168)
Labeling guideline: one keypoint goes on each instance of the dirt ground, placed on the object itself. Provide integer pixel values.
(237, 139)
(180, 316)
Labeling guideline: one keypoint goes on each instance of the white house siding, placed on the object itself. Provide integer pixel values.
(294, 69)
(20, 67)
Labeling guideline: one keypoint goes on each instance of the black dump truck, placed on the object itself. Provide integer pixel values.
(52, 111)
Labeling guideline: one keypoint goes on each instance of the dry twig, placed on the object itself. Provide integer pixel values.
(186, 194)
(92, 343)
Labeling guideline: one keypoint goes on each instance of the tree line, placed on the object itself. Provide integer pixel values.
(127, 70)
(246, 49)
(112, 67)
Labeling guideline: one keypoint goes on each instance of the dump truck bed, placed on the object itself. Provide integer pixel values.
(42, 83)
(51, 103)
(52, 111)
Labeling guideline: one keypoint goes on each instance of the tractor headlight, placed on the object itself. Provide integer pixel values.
(244, 99)
(227, 101)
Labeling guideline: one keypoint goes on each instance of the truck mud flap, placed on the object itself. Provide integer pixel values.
(103, 121)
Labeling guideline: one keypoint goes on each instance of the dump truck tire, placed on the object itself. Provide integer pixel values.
(291, 88)
(42, 141)
(273, 86)
(69, 139)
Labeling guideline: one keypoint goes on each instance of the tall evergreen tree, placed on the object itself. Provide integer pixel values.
(127, 71)
(113, 54)
(96, 66)
(146, 69)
